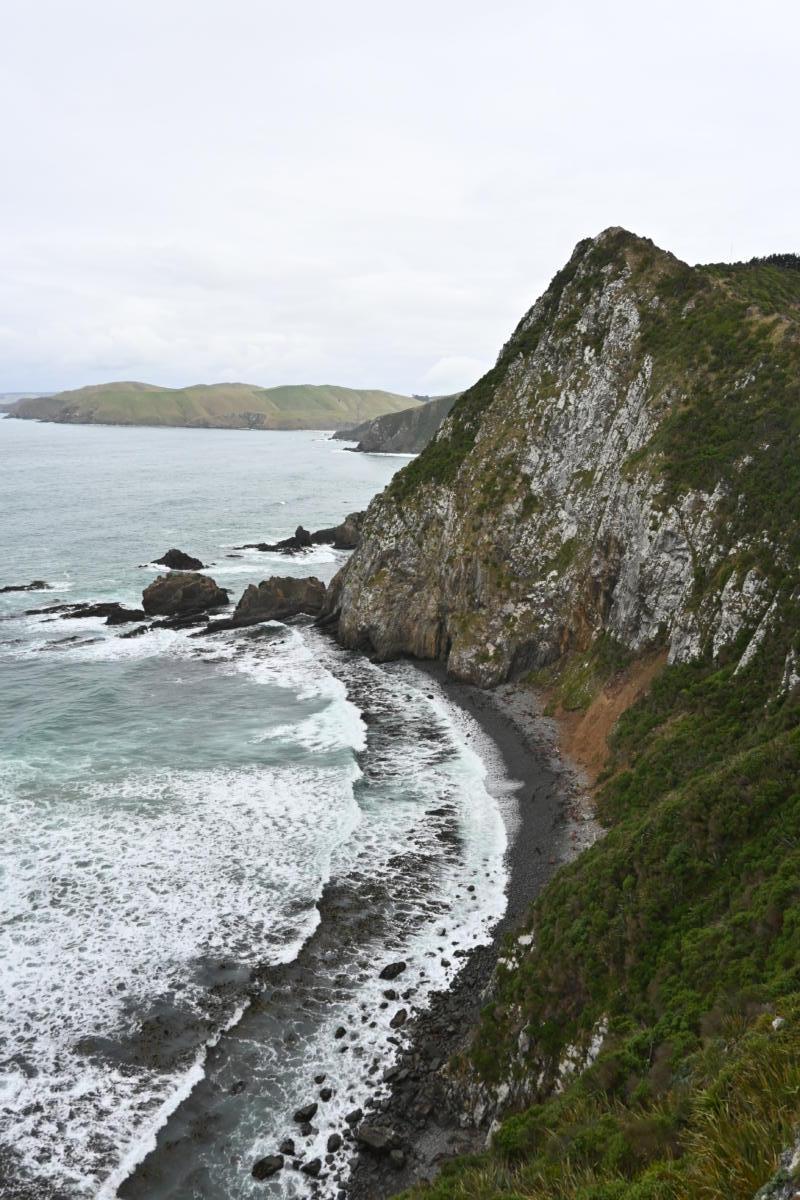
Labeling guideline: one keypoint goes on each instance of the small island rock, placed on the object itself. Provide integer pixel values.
(178, 560)
(182, 595)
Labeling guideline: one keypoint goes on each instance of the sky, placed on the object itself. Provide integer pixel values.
(358, 193)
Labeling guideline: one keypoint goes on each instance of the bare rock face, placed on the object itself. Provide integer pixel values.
(182, 595)
(574, 491)
(279, 598)
(177, 560)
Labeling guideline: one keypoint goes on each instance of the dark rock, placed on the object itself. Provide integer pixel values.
(188, 622)
(326, 1093)
(392, 970)
(390, 994)
(376, 1139)
(354, 1117)
(237, 1088)
(182, 594)
(177, 560)
(137, 632)
(319, 1078)
(38, 585)
(267, 1167)
(115, 613)
(340, 1032)
(124, 616)
(342, 537)
(287, 1147)
(312, 1168)
(334, 1143)
(279, 598)
(306, 1129)
(397, 1159)
(306, 1112)
(399, 1018)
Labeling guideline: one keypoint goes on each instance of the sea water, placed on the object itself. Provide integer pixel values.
(211, 844)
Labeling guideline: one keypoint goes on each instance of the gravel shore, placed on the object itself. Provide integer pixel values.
(555, 823)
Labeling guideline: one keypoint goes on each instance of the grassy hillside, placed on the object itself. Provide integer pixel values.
(218, 405)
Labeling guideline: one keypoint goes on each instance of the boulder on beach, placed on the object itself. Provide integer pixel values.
(178, 560)
(182, 595)
(392, 970)
(268, 1166)
(306, 1112)
(279, 598)
(38, 585)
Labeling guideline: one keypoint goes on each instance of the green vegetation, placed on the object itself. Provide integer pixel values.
(218, 406)
(681, 929)
(574, 680)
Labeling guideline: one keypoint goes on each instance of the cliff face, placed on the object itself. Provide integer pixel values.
(625, 469)
(405, 432)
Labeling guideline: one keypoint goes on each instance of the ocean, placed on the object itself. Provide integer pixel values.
(212, 844)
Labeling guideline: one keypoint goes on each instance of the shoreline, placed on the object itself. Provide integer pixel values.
(555, 823)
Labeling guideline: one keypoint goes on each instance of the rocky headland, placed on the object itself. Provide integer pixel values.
(404, 432)
(610, 519)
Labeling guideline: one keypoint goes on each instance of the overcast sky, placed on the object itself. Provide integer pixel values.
(362, 193)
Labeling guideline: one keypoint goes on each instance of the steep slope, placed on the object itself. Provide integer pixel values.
(623, 485)
(218, 406)
(628, 467)
(405, 432)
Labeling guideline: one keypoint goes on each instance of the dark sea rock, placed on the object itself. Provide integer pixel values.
(392, 970)
(306, 1112)
(399, 1018)
(114, 612)
(287, 1147)
(124, 616)
(334, 1143)
(182, 594)
(268, 1166)
(312, 1168)
(38, 585)
(354, 1117)
(342, 537)
(326, 1093)
(279, 598)
(178, 560)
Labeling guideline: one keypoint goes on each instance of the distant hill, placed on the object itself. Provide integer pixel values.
(9, 400)
(213, 406)
(405, 432)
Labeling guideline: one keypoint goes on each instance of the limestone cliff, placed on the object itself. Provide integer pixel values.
(627, 468)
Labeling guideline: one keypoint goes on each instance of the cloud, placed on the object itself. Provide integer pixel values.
(358, 194)
(453, 374)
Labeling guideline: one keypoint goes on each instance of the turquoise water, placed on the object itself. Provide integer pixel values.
(180, 814)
